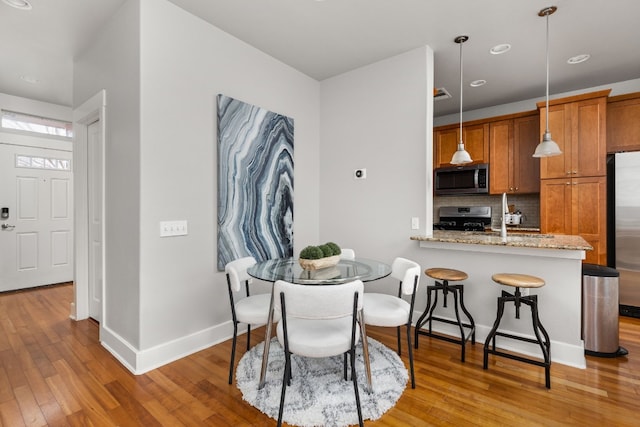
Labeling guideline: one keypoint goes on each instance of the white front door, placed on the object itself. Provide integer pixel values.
(36, 237)
(94, 162)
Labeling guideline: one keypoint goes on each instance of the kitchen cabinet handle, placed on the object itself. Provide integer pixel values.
(568, 173)
(575, 172)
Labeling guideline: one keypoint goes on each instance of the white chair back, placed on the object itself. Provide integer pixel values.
(237, 271)
(406, 271)
(318, 301)
(348, 254)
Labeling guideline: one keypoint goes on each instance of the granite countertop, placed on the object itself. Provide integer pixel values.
(533, 240)
(518, 229)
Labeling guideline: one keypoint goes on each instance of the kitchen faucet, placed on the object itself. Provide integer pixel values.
(503, 226)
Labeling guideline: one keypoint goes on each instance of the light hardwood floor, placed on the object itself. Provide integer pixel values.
(53, 371)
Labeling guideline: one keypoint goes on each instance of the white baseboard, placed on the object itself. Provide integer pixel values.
(142, 361)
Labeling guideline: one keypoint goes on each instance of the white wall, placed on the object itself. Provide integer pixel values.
(376, 117)
(161, 132)
(186, 63)
(112, 62)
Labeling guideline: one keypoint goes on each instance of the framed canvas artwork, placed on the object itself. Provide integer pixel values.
(255, 182)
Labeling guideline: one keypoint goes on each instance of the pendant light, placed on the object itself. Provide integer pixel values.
(461, 156)
(548, 146)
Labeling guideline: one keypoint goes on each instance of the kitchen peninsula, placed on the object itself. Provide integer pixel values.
(557, 259)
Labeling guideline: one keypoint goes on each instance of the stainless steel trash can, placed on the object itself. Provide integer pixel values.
(600, 311)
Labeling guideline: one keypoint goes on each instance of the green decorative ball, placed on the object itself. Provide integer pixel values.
(334, 248)
(327, 251)
(311, 252)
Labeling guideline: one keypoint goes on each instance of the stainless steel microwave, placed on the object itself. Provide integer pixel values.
(472, 179)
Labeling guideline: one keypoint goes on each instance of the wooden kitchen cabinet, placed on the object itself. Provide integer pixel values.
(573, 193)
(576, 206)
(476, 142)
(555, 206)
(512, 167)
(623, 123)
(578, 126)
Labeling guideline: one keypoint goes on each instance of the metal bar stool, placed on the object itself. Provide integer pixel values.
(520, 281)
(442, 277)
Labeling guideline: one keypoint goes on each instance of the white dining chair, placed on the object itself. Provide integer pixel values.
(318, 321)
(348, 254)
(389, 310)
(252, 309)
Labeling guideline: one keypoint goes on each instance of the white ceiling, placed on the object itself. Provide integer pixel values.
(326, 38)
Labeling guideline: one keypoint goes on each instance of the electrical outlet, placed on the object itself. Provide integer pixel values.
(360, 174)
(173, 228)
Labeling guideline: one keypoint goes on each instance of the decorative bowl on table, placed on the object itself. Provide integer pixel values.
(319, 257)
(317, 264)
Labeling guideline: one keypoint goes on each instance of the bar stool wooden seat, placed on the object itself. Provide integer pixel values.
(520, 281)
(442, 277)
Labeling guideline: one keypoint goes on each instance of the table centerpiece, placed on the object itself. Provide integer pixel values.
(318, 257)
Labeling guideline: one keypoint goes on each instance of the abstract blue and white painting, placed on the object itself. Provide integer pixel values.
(255, 182)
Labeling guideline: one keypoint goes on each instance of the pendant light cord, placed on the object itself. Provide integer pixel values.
(547, 147)
(460, 155)
(547, 103)
(461, 43)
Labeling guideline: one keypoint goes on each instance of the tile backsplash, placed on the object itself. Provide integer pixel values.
(528, 204)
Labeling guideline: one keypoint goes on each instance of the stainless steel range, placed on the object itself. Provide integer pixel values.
(464, 218)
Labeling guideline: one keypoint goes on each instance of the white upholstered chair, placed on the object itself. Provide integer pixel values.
(390, 310)
(252, 309)
(318, 321)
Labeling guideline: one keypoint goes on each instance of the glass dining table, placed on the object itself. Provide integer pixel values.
(289, 269)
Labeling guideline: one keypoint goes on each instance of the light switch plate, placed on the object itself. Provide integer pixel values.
(173, 228)
(415, 223)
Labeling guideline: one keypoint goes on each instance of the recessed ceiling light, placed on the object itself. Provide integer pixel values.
(478, 83)
(30, 79)
(578, 58)
(18, 4)
(500, 48)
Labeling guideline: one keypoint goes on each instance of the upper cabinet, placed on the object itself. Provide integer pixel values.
(446, 138)
(578, 125)
(573, 191)
(623, 123)
(513, 169)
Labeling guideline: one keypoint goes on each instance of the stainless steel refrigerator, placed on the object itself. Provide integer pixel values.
(624, 227)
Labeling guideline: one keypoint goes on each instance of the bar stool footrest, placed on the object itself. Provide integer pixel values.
(446, 337)
(517, 337)
(520, 358)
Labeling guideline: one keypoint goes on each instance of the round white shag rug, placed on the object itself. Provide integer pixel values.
(318, 394)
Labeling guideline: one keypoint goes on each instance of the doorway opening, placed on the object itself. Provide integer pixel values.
(89, 128)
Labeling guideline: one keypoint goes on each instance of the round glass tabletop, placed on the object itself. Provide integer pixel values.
(289, 269)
